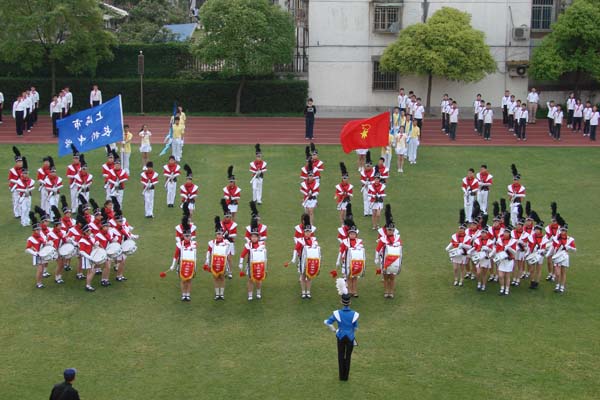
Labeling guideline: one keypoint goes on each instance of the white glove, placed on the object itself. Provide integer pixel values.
(135, 236)
(294, 258)
(339, 258)
(172, 267)
(241, 265)
(32, 252)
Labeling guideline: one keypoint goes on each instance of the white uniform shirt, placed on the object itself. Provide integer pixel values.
(454, 116)
(402, 101)
(571, 103)
(488, 116)
(594, 118)
(517, 112)
(533, 97)
(505, 100)
(524, 114)
(476, 106)
(551, 111)
(587, 113)
(578, 111)
(55, 107)
(511, 107)
(69, 98)
(35, 98)
(95, 95)
(1, 98)
(419, 110)
(443, 105)
(558, 117)
(19, 105)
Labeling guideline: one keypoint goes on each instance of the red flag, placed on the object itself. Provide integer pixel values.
(366, 133)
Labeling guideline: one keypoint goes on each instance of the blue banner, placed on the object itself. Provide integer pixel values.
(91, 128)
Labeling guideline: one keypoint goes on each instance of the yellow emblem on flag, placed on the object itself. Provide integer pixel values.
(365, 130)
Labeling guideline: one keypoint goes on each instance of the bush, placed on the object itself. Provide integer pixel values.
(159, 94)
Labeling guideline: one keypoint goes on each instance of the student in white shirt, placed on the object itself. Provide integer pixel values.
(570, 109)
(558, 118)
(594, 122)
(443, 108)
(447, 110)
(587, 114)
(480, 117)
(69, 99)
(30, 107)
(523, 120)
(511, 113)
(35, 100)
(19, 113)
(95, 96)
(418, 112)
(577, 116)
(410, 101)
(453, 119)
(504, 102)
(532, 104)
(476, 111)
(402, 100)
(517, 117)
(550, 116)
(1, 106)
(488, 118)
(55, 113)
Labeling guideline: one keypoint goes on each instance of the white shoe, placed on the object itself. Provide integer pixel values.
(250, 298)
(401, 170)
(258, 296)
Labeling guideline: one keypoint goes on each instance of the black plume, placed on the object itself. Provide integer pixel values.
(507, 221)
(16, 151)
(94, 204)
(82, 160)
(368, 157)
(257, 148)
(25, 164)
(312, 147)
(476, 211)
(309, 167)
(484, 221)
(230, 171)
(349, 211)
(40, 211)
(116, 205)
(188, 170)
(186, 209)
(56, 212)
(253, 209)
(528, 208)
(503, 206)
(108, 151)
(553, 207)
(224, 206)
(81, 220)
(51, 162)
(82, 199)
(254, 225)
(496, 208)
(305, 220)
(559, 220)
(534, 216)
(307, 153)
(513, 169)
(32, 217)
(389, 220)
(74, 149)
(218, 224)
(63, 201)
(461, 216)
(343, 169)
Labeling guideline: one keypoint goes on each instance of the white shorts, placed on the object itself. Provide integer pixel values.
(310, 204)
(459, 260)
(377, 205)
(506, 265)
(401, 151)
(86, 264)
(485, 263)
(361, 152)
(145, 148)
(342, 206)
(231, 249)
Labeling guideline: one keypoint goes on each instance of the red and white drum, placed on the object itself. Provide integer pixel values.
(218, 261)
(392, 259)
(258, 264)
(311, 261)
(355, 262)
(187, 264)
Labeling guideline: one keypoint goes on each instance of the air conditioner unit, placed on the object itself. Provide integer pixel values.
(518, 71)
(521, 32)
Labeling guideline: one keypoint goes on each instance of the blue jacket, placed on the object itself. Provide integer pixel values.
(347, 321)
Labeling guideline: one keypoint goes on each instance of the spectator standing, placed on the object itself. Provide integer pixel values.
(309, 114)
(65, 390)
(532, 104)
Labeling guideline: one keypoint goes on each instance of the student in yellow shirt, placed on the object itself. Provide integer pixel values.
(177, 143)
(145, 147)
(126, 147)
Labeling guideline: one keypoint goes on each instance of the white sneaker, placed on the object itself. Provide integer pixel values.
(401, 170)
(258, 296)
(250, 298)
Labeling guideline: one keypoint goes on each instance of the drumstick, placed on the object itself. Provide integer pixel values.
(164, 273)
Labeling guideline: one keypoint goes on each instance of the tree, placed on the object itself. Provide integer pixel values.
(146, 21)
(445, 46)
(572, 46)
(38, 32)
(245, 37)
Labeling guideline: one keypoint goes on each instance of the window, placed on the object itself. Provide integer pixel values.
(384, 80)
(387, 18)
(542, 14)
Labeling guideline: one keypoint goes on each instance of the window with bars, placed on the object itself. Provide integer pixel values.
(542, 14)
(384, 80)
(387, 18)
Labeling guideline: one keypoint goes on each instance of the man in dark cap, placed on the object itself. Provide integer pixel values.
(65, 390)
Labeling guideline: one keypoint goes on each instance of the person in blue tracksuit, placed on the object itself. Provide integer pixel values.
(347, 323)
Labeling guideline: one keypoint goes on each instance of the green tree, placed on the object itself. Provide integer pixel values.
(445, 46)
(146, 21)
(245, 37)
(572, 46)
(42, 32)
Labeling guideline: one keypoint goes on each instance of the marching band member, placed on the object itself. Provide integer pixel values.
(44, 222)
(508, 247)
(179, 229)
(42, 173)
(232, 193)
(473, 231)
(66, 223)
(188, 191)
(308, 167)
(460, 241)
(346, 225)
(230, 233)
(52, 185)
(185, 259)
(171, 172)
(123, 231)
(310, 190)
(117, 179)
(347, 321)
(470, 187)
(149, 179)
(562, 243)
(529, 221)
(255, 269)
(57, 237)
(376, 193)
(262, 229)
(72, 171)
(23, 188)
(366, 177)
(82, 183)
(318, 165)
(343, 192)
(485, 181)
(483, 245)
(307, 272)
(551, 232)
(352, 268)
(14, 174)
(299, 229)
(35, 242)
(384, 171)
(516, 194)
(258, 167)
(108, 209)
(388, 255)
(521, 238)
(105, 236)
(217, 259)
(86, 246)
(537, 242)
(107, 167)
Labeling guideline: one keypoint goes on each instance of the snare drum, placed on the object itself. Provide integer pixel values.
(561, 258)
(392, 259)
(129, 247)
(113, 250)
(476, 257)
(98, 255)
(67, 250)
(534, 258)
(311, 261)
(355, 263)
(48, 253)
(501, 256)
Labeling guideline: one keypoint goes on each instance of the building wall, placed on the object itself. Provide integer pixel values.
(342, 47)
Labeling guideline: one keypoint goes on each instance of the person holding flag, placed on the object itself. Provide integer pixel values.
(177, 145)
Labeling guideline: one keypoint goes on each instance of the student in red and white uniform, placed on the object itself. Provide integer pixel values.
(35, 242)
(72, 172)
(107, 167)
(149, 181)
(66, 223)
(185, 244)
(520, 236)
(377, 194)
(384, 172)
(232, 193)
(123, 231)
(470, 187)
(116, 180)
(484, 244)
(262, 229)
(82, 183)
(318, 165)
(309, 167)
(218, 276)
(105, 236)
(537, 242)
(516, 194)
(171, 172)
(57, 237)
(230, 233)
(13, 176)
(310, 190)
(344, 229)
(348, 244)
(366, 178)
(258, 167)
(459, 240)
(188, 191)
(52, 185)
(179, 229)
(343, 193)
(505, 267)
(42, 173)
(485, 181)
(307, 240)
(562, 242)
(254, 242)
(299, 229)
(24, 187)
(551, 232)
(87, 243)
(391, 237)
(473, 231)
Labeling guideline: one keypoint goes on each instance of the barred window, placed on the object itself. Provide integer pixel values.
(387, 19)
(542, 14)
(384, 80)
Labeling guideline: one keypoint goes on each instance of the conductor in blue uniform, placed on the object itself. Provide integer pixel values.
(347, 323)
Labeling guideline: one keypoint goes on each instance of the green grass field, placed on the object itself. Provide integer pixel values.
(137, 340)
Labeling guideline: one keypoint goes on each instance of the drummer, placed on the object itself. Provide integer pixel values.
(87, 243)
(184, 245)
(459, 241)
(483, 245)
(35, 242)
(348, 245)
(301, 247)
(505, 244)
(562, 242)
(57, 238)
(217, 258)
(253, 244)
(105, 236)
(385, 260)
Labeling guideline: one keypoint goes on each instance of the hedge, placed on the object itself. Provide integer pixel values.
(196, 95)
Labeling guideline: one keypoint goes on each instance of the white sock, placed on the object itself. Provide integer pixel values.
(250, 294)
(258, 292)
(479, 285)
(217, 291)
(502, 288)
(303, 292)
